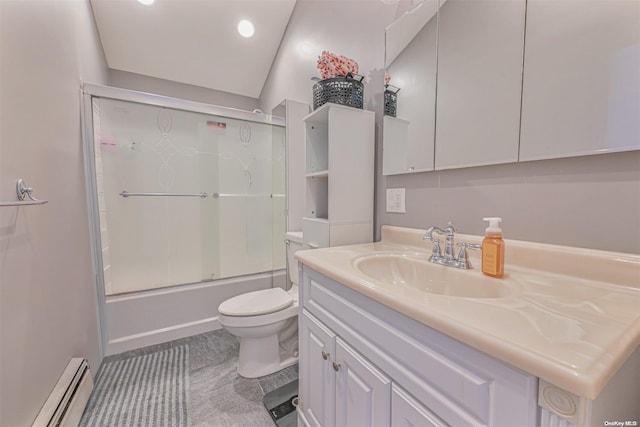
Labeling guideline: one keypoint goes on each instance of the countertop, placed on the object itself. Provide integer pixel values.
(572, 317)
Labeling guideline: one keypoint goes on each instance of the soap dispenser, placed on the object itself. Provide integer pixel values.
(493, 249)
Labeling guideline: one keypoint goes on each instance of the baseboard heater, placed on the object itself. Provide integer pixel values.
(67, 401)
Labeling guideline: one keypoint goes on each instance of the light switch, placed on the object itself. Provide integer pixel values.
(395, 200)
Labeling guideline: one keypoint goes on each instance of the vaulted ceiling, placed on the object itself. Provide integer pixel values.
(194, 41)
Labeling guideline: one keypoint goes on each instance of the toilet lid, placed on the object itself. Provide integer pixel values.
(255, 303)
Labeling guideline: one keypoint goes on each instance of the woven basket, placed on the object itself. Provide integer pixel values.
(339, 90)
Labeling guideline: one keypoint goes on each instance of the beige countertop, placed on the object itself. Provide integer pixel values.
(571, 316)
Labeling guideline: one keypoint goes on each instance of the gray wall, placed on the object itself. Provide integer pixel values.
(353, 28)
(591, 201)
(47, 293)
(132, 81)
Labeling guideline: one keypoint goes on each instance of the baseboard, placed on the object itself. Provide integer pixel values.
(159, 336)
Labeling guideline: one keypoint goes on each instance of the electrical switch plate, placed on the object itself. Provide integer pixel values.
(395, 200)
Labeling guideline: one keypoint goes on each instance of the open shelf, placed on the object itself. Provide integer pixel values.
(339, 144)
(317, 197)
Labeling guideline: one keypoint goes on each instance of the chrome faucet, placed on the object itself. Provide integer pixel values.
(449, 258)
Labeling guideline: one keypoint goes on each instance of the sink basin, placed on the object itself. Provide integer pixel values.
(415, 271)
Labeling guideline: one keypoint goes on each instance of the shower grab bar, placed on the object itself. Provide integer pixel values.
(24, 195)
(126, 194)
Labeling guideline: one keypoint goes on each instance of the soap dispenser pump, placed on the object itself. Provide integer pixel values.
(493, 249)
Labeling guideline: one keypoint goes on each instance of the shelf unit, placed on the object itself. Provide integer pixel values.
(339, 146)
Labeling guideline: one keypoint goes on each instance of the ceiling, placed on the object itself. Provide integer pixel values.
(194, 41)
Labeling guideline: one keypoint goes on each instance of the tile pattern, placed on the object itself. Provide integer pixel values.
(218, 395)
(277, 380)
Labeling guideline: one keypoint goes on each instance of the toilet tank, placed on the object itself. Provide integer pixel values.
(295, 244)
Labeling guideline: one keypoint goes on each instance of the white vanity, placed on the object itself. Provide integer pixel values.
(387, 338)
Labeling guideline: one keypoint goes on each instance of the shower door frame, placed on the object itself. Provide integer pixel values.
(88, 91)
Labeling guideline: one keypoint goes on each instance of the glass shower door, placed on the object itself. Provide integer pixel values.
(183, 196)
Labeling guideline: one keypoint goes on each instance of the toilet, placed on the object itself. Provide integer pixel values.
(266, 322)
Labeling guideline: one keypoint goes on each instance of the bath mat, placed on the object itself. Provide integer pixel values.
(147, 390)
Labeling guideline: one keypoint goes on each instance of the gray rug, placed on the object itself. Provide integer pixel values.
(147, 390)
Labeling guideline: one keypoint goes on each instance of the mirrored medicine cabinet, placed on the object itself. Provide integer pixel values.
(473, 88)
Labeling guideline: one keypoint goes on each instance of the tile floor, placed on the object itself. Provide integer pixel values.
(218, 395)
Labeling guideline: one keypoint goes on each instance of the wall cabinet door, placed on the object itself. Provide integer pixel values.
(317, 385)
(363, 393)
(581, 87)
(480, 48)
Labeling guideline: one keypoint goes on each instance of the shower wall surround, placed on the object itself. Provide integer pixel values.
(151, 242)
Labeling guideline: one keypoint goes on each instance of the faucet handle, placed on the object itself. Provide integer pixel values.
(436, 253)
(463, 259)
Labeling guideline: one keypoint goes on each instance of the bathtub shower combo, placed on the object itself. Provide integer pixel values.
(187, 205)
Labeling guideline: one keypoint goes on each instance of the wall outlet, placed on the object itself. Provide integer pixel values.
(395, 200)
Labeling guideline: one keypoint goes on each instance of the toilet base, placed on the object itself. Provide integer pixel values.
(261, 356)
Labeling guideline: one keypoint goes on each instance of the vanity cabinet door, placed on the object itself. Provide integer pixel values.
(480, 49)
(581, 87)
(406, 411)
(363, 393)
(317, 385)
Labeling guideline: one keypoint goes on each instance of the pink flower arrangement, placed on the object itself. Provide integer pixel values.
(332, 65)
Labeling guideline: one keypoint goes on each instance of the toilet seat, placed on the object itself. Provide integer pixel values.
(256, 303)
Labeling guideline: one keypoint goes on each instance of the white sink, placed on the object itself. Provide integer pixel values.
(413, 270)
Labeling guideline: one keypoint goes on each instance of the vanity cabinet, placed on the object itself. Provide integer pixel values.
(407, 411)
(317, 344)
(344, 388)
(364, 364)
(339, 176)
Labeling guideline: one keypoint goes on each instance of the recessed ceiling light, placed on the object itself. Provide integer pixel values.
(245, 28)
(146, 2)
(306, 49)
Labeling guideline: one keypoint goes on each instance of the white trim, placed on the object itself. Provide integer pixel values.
(162, 335)
(86, 115)
(173, 313)
(193, 286)
(178, 104)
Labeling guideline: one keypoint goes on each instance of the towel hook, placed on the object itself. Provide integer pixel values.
(23, 192)
(24, 195)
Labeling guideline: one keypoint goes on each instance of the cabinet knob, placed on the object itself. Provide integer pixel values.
(325, 355)
(336, 366)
